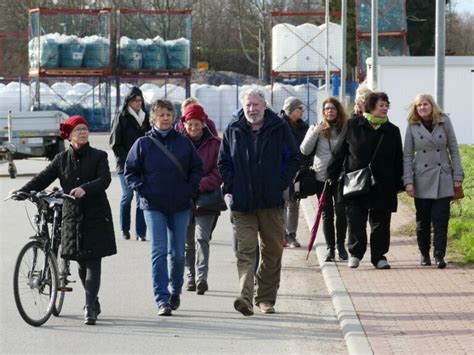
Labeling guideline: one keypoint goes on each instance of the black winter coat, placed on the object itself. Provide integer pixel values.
(126, 130)
(87, 230)
(299, 132)
(257, 177)
(357, 144)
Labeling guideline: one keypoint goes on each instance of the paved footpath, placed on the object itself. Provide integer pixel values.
(408, 309)
(305, 322)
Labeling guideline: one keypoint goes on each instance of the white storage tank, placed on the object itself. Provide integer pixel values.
(280, 93)
(78, 93)
(308, 52)
(194, 88)
(307, 93)
(229, 104)
(173, 92)
(284, 46)
(15, 96)
(151, 92)
(209, 97)
(61, 88)
(303, 48)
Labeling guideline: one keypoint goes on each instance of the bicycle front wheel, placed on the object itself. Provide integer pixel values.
(63, 272)
(35, 281)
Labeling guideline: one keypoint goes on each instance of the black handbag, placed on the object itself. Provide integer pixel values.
(305, 182)
(358, 183)
(211, 201)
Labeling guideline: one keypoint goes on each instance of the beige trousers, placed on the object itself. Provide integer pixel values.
(264, 228)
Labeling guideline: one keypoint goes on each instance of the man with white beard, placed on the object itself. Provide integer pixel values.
(257, 161)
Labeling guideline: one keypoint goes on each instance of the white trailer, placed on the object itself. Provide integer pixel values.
(29, 134)
(402, 78)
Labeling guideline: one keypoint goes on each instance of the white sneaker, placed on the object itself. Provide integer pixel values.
(382, 264)
(353, 262)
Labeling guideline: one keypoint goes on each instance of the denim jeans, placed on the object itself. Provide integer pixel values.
(197, 246)
(126, 206)
(167, 234)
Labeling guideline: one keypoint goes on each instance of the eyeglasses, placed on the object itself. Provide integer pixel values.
(330, 108)
(81, 129)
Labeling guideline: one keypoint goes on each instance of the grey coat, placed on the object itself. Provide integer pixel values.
(323, 151)
(431, 160)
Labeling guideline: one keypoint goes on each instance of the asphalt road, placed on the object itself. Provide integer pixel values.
(304, 322)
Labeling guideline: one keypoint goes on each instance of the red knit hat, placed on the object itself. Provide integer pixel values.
(194, 111)
(66, 128)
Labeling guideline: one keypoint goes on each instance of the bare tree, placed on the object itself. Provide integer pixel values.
(460, 33)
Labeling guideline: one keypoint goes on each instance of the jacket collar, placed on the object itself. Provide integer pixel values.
(80, 152)
(270, 120)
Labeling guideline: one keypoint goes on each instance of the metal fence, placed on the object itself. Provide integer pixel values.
(98, 98)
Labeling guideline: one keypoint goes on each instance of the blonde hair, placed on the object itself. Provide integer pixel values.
(436, 111)
(189, 101)
(361, 93)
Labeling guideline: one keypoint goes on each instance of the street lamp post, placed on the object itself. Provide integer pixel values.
(374, 43)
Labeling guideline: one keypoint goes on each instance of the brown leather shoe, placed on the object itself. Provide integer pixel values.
(191, 286)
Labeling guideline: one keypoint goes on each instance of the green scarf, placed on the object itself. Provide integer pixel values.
(375, 121)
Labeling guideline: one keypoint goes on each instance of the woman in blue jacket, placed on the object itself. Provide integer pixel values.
(165, 169)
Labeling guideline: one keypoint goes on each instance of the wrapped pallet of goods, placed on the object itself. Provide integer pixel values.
(154, 53)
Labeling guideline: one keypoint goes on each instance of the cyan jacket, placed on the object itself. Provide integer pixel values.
(257, 180)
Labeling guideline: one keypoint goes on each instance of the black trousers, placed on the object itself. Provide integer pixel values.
(331, 234)
(89, 273)
(432, 212)
(379, 221)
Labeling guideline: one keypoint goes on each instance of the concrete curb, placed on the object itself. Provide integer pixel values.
(354, 334)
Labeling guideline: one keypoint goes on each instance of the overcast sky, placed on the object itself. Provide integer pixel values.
(464, 6)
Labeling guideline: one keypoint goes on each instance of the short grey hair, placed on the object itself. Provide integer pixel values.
(252, 92)
(161, 103)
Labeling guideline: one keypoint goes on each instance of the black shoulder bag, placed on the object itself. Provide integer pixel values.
(305, 179)
(358, 183)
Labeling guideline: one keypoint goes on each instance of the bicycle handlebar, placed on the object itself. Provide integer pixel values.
(38, 196)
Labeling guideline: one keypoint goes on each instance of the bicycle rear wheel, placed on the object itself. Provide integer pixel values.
(35, 281)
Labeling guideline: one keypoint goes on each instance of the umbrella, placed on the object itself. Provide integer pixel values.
(321, 204)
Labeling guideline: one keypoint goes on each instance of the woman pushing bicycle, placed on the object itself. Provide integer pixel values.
(87, 228)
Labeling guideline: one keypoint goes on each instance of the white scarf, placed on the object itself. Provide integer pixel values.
(140, 116)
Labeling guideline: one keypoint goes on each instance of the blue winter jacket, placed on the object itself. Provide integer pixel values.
(159, 182)
(257, 179)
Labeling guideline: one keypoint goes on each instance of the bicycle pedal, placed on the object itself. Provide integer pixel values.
(65, 289)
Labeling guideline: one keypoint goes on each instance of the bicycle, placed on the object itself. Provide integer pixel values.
(40, 273)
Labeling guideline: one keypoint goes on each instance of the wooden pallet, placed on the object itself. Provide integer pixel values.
(158, 73)
(43, 72)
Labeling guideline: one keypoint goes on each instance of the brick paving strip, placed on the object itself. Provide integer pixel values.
(410, 308)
